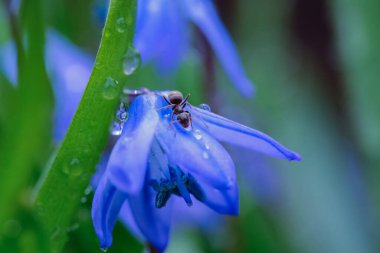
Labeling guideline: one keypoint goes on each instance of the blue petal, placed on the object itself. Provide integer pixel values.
(106, 205)
(235, 133)
(203, 14)
(198, 153)
(69, 77)
(161, 33)
(8, 62)
(153, 223)
(128, 161)
(128, 219)
(223, 201)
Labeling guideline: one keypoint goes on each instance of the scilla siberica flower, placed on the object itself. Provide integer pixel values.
(156, 158)
(163, 36)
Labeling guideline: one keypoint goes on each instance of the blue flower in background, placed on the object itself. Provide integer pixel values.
(163, 36)
(69, 69)
(156, 158)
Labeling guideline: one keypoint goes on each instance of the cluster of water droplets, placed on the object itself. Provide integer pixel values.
(199, 137)
(120, 118)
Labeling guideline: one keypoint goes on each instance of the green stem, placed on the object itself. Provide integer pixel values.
(59, 197)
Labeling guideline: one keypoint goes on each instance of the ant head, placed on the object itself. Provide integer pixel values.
(175, 97)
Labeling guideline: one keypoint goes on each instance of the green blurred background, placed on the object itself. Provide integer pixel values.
(315, 65)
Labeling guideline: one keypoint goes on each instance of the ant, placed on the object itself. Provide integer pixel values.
(175, 99)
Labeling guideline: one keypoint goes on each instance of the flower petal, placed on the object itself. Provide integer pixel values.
(8, 62)
(128, 161)
(223, 201)
(203, 14)
(197, 152)
(161, 33)
(232, 132)
(69, 77)
(128, 219)
(154, 223)
(106, 205)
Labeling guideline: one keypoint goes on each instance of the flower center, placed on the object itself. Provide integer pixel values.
(179, 183)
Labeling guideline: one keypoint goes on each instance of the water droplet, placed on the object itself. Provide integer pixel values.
(120, 118)
(110, 89)
(197, 134)
(207, 146)
(205, 155)
(83, 200)
(121, 25)
(104, 249)
(205, 107)
(73, 168)
(88, 190)
(117, 129)
(132, 61)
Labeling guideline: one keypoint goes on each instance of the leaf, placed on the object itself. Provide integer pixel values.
(59, 196)
(24, 139)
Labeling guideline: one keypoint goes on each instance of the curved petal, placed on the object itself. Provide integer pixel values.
(223, 201)
(198, 153)
(128, 219)
(232, 132)
(203, 14)
(128, 161)
(154, 223)
(161, 33)
(106, 205)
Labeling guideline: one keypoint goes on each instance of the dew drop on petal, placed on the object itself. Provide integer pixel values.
(197, 134)
(132, 61)
(110, 88)
(117, 129)
(205, 155)
(121, 25)
(205, 107)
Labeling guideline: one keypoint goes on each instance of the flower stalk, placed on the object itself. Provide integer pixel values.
(75, 162)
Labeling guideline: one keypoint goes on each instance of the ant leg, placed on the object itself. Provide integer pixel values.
(166, 106)
(184, 101)
(167, 101)
(191, 121)
(170, 127)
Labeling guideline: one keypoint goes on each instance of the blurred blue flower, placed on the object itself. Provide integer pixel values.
(156, 158)
(163, 35)
(69, 69)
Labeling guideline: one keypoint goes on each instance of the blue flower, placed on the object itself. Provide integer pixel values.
(68, 76)
(156, 158)
(162, 36)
